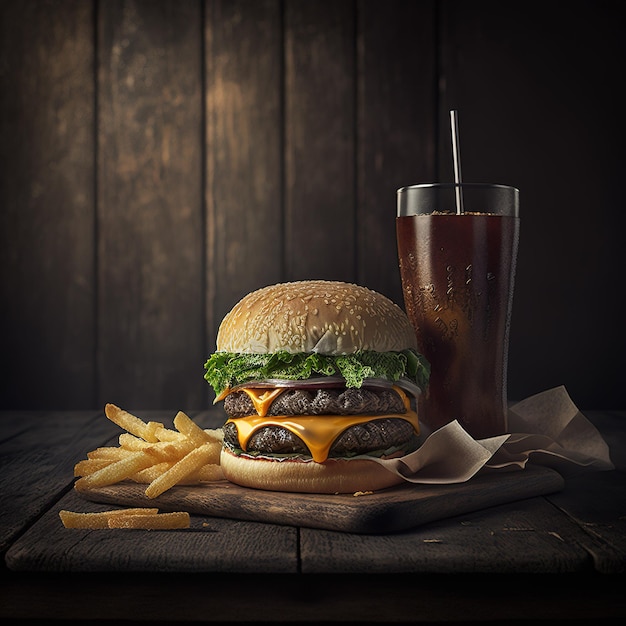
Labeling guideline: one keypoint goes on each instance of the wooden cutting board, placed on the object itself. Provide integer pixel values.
(386, 511)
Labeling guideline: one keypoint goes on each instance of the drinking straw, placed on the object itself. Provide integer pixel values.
(456, 157)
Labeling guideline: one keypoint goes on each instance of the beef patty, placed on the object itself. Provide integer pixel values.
(320, 402)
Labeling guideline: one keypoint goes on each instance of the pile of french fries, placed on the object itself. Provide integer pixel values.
(152, 454)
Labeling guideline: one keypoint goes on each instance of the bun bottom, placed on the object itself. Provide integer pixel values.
(332, 476)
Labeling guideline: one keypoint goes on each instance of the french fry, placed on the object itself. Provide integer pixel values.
(215, 450)
(167, 434)
(115, 472)
(216, 434)
(133, 424)
(164, 435)
(132, 442)
(94, 521)
(161, 521)
(206, 473)
(187, 427)
(188, 464)
(152, 430)
(161, 451)
(170, 450)
(111, 453)
(190, 429)
(149, 474)
(89, 466)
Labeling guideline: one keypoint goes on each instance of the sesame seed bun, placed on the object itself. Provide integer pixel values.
(328, 317)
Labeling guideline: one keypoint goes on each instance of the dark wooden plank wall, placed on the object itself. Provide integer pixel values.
(162, 158)
(150, 236)
(244, 163)
(47, 205)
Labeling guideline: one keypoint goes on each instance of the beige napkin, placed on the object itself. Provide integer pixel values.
(546, 429)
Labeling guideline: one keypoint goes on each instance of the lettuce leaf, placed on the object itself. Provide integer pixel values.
(227, 369)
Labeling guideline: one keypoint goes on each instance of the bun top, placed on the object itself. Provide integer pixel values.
(322, 316)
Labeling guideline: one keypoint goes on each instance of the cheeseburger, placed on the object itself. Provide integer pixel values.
(317, 379)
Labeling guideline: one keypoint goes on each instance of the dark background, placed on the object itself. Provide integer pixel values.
(160, 159)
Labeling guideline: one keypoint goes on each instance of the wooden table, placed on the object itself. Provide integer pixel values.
(556, 557)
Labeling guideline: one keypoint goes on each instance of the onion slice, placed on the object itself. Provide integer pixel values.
(324, 382)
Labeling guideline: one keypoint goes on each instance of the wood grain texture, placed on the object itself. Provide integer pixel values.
(159, 159)
(320, 120)
(590, 500)
(47, 205)
(523, 537)
(243, 60)
(150, 239)
(578, 529)
(385, 511)
(210, 545)
(396, 135)
(38, 452)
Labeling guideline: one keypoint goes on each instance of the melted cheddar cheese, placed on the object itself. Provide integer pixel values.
(317, 431)
(262, 398)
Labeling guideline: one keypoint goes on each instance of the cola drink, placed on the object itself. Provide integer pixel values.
(458, 272)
